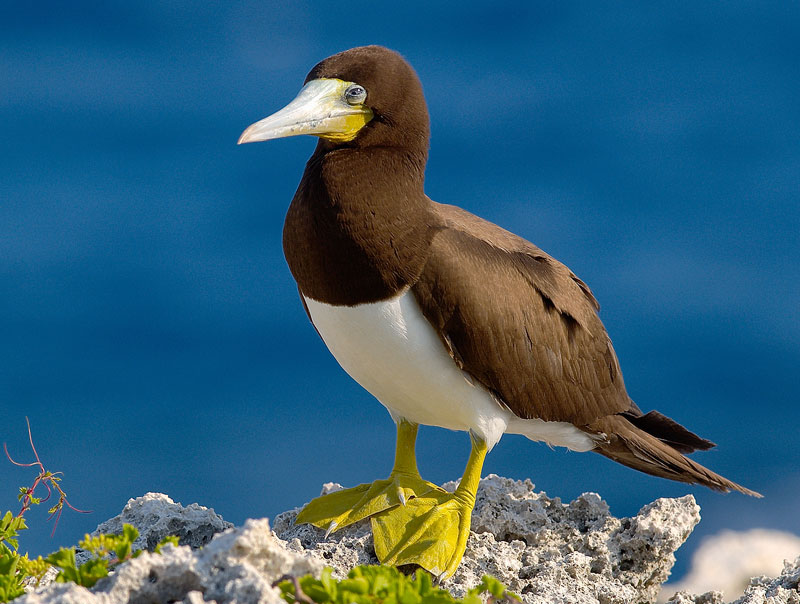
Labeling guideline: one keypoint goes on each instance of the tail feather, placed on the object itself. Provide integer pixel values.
(669, 431)
(630, 443)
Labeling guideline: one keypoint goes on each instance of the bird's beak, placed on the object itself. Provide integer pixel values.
(319, 109)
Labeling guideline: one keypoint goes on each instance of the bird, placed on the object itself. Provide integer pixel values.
(447, 319)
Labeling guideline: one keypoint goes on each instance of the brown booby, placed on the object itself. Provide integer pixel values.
(447, 319)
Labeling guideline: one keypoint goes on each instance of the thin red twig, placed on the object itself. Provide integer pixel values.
(45, 478)
(16, 463)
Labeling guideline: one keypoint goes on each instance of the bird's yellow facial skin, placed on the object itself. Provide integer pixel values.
(350, 126)
(321, 108)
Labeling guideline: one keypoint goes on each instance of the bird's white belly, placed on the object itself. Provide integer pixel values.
(393, 352)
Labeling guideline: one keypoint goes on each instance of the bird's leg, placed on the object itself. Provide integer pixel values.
(340, 508)
(431, 531)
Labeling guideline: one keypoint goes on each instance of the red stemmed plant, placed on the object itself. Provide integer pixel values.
(49, 480)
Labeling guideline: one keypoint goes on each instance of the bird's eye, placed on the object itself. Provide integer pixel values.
(355, 94)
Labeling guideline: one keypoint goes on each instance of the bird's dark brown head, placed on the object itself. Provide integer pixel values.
(393, 94)
(363, 97)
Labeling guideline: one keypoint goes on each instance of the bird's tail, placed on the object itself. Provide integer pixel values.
(655, 444)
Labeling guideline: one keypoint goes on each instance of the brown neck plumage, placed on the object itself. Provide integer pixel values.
(359, 227)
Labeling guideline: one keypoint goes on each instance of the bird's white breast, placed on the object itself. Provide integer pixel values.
(393, 352)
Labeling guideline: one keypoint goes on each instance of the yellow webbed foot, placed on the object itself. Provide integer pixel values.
(336, 510)
(430, 531)
(341, 508)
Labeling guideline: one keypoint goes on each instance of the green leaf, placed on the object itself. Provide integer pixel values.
(10, 526)
(123, 550)
(359, 585)
(65, 560)
(493, 586)
(8, 561)
(384, 585)
(92, 571)
(130, 532)
(35, 568)
(10, 587)
(472, 598)
(173, 539)
(410, 596)
(423, 583)
(317, 592)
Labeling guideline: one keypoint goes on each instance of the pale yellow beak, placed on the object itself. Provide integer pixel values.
(320, 109)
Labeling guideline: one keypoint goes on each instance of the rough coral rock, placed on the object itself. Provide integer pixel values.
(155, 515)
(784, 589)
(237, 566)
(542, 549)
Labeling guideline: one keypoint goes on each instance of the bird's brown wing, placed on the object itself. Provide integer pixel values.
(519, 322)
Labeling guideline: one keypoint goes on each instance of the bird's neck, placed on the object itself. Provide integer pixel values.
(359, 227)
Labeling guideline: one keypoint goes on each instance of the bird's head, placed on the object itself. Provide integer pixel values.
(362, 97)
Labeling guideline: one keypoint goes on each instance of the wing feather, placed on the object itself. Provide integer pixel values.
(519, 322)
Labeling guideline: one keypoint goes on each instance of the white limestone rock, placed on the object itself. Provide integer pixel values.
(237, 566)
(542, 549)
(341, 551)
(155, 515)
(784, 589)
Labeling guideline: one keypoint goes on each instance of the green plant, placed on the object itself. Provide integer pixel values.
(384, 585)
(95, 568)
(108, 551)
(49, 480)
(16, 569)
